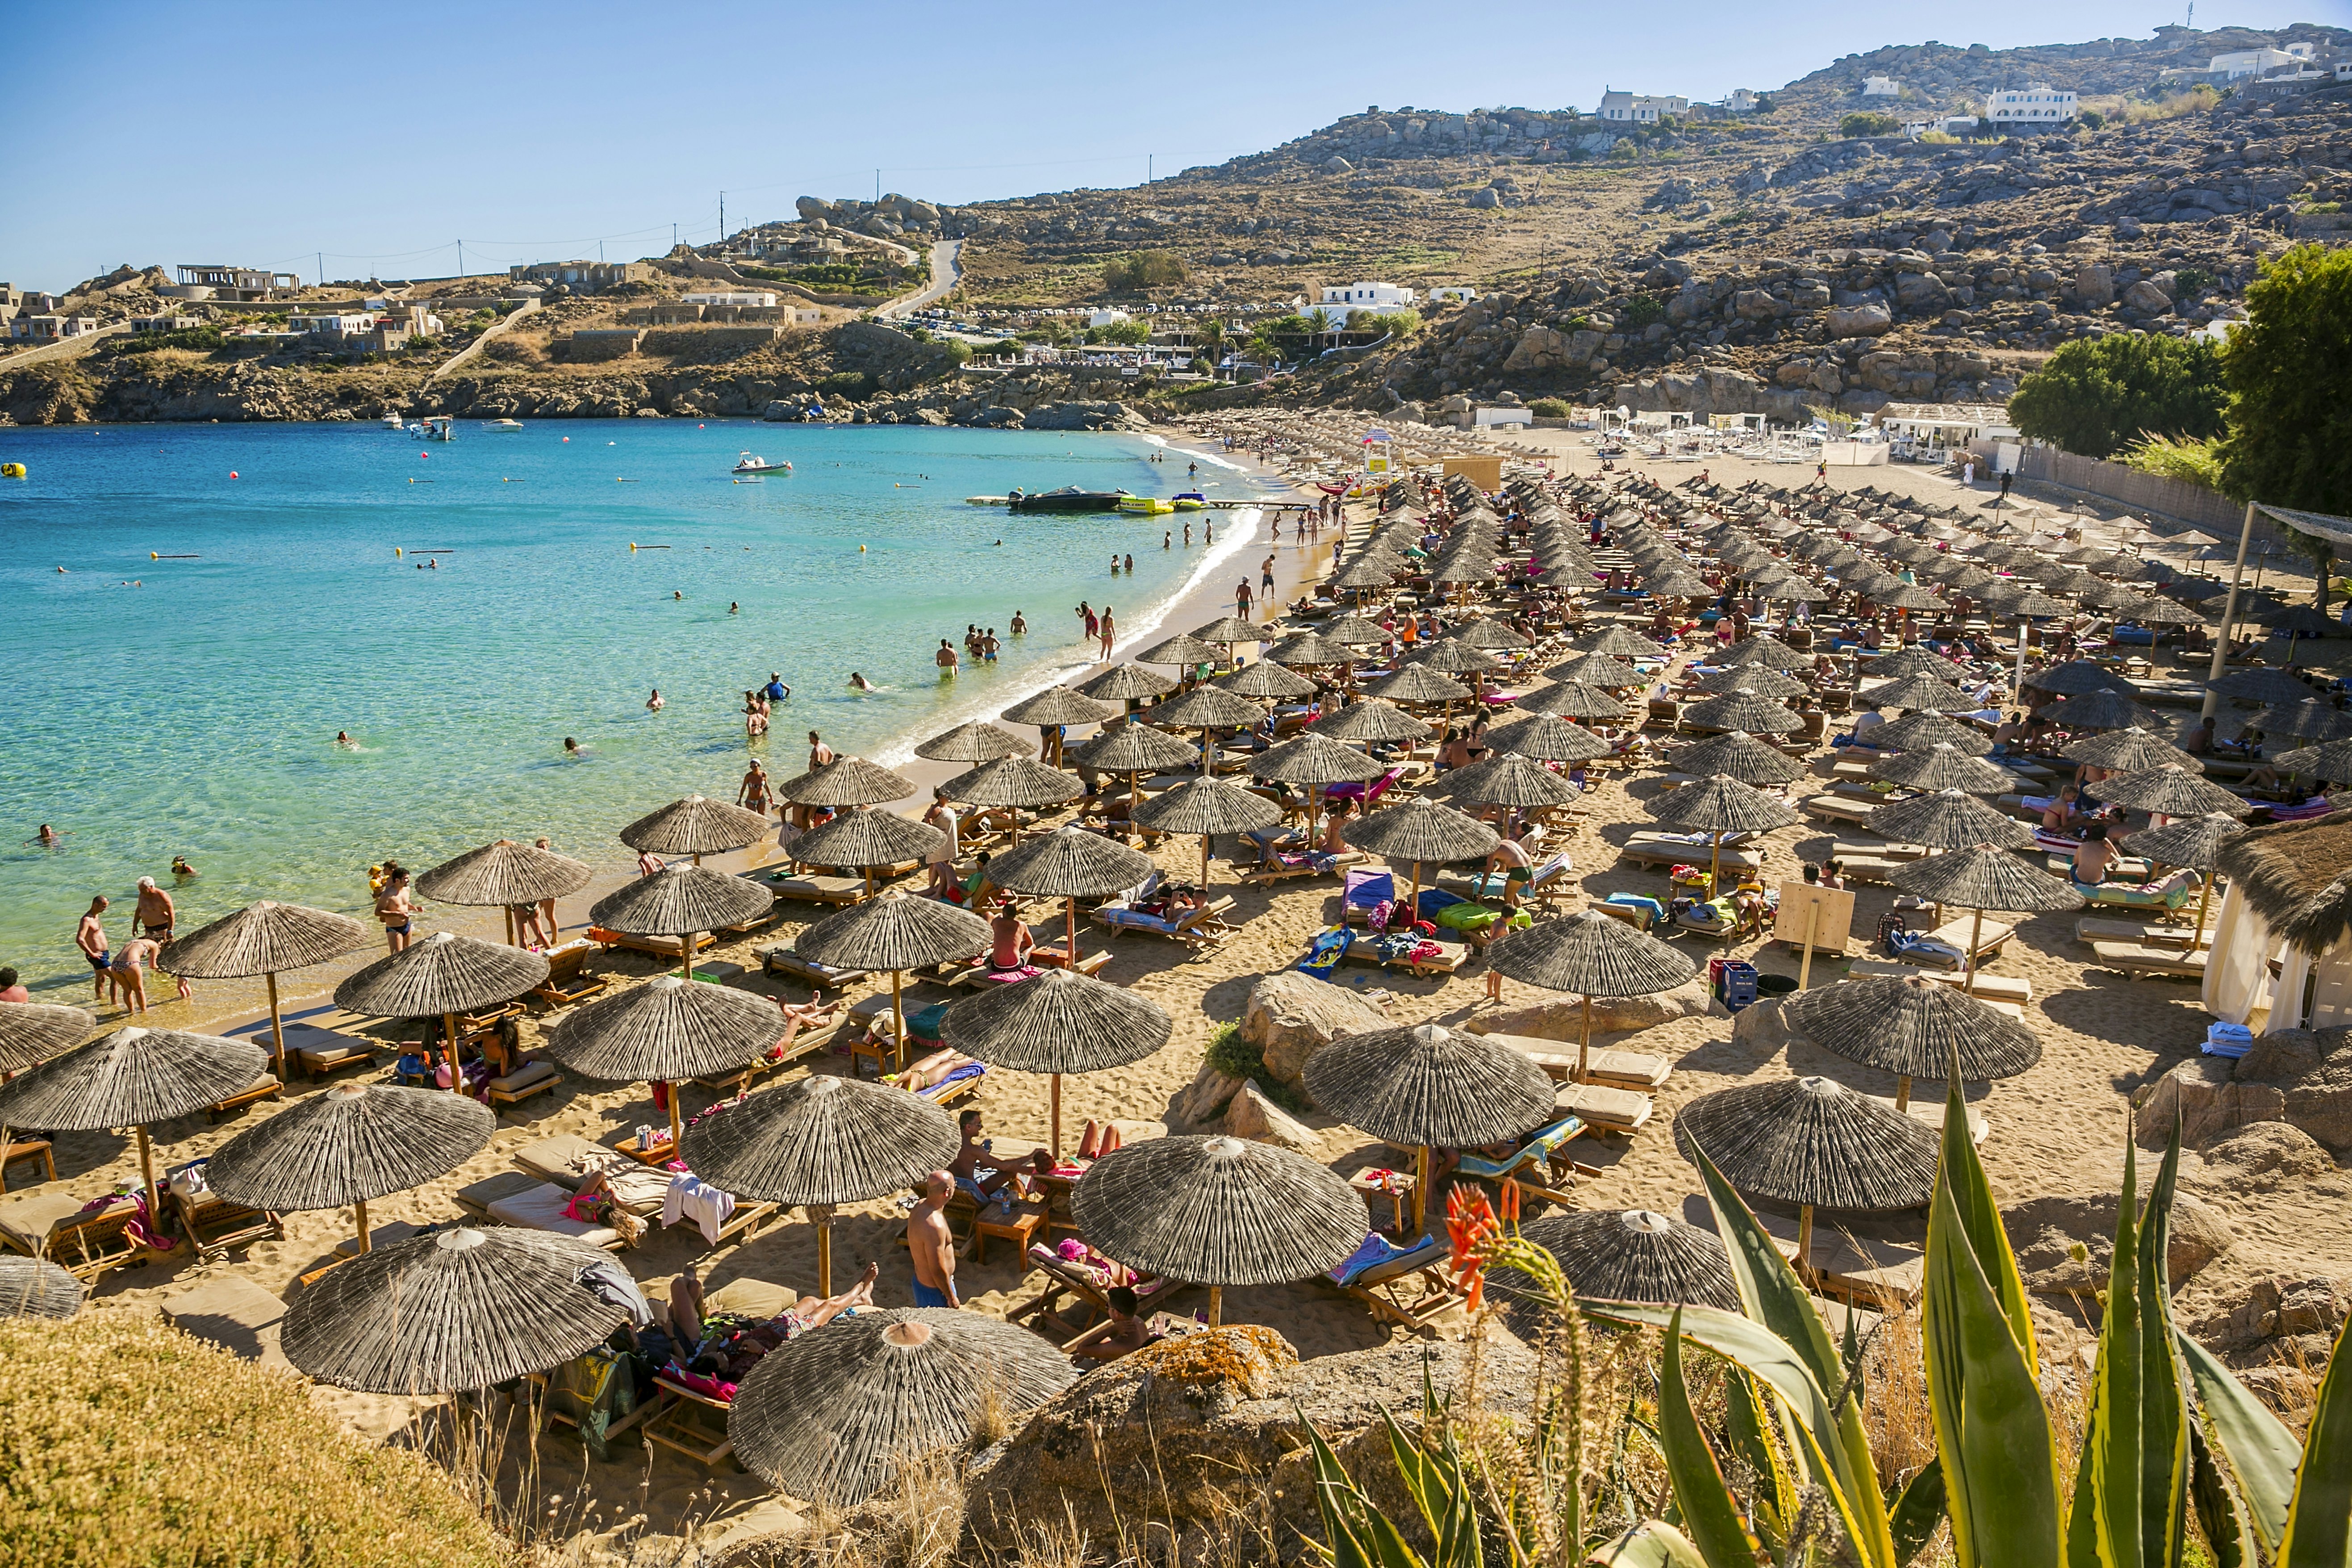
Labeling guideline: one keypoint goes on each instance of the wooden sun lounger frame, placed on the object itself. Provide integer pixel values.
(1199, 929)
(2136, 959)
(803, 1044)
(100, 1243)
(676, 1424)
(213, 1224)
(1045, 1314)
(1388, 1302)
(275, 1088)
(566, 984)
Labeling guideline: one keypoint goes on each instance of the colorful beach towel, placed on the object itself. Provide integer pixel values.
(1324, 953)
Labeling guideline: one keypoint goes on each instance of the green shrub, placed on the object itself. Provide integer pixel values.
(2096, 393)
(2091, 120)
(1868, 123)
(1641, 310)
(1142, 269)
(854, 384)
(1399, 324)
(2167, 457)
(2193, 281)
(1232, 1055)
(1548, 408)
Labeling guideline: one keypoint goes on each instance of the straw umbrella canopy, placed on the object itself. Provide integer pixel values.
(972, 743)
(820, 1142)
(1587, 955)
(1133, 749)
(33, 1031)
(1423, 832)
(1227, 631)
(1761, 679)
(1355, 631)
(680, 900)
(1314, 761)
(1509, 779)
(1548, 738)
(2194, 842)
(37, 1288)
(1015, 783)
(1941, 767)
(1914, 731)
(1266, 678)
(1574, 699)
(1122, 683)
(505, 873)
(1947, 819)
(354, 1142)
(1980, 878)
(1217, 1212)
(1207, 708)
(2260, 685)
(1720, 804)
(867, 837)
(1597, 670)
(1908, 661)
(268, 939)
(896, 933)
(1419, 683)
(1055, 1023)
(2307, 720)
(2076, 677)
(831, 1416)
(1917, 693)
(1912, 1027)
(1180, 649)
(130, 1078)
(1309, 650)
(1484, 632)
(2331, 760)
(1622, 1255)
(1456, 658)
(1069, 864)
(1739, 755)
(1812, 1142)
(1680, 585)
(694, 827)
(665, 1030)
(2170, 791)
(1056, 709)
(1743, 709)
(2101, 710)
(1367, 572)
(450, 1311)
(1767, 650)
(847, 782)
(444, 975)
(1207, 807)
(1368, 718)
(2126, 751)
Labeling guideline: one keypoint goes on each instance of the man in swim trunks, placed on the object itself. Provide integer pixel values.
(394, 908)
(933, 1244)
(1241, 599)
(90, 937)
(946, 657)
(1009, 940)
(820, 754)
(776, 689)
(977, 1170)
(1019, 624)
(156, 919)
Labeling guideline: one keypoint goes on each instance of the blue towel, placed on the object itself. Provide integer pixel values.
(1432, 899)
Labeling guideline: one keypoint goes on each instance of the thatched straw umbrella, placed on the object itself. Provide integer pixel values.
(37, 1288)
(867, 837)
(1367, 720)
(1218, 1212)
(1313, 760)
(450, 1311)
(1309, 650)
(2331, 760)
(1620, 641)
(1574, 699)
(442, 976)
(1125, 683)
(1267, 679)
(1069, 864)
(33, 1031)
(1056, 708)
(1908, 661)
(1509, 779)
(2293, 876)
(1737, 754)
(1917, 693)
(1425, 832)
(1355, 631)
(853, 781)
(1190, 652)
(1597, 670)
(1227, 631)
(1914, 731)
(1451, 656)
(1419, 683)
(2078, 677)
(1207, 807)
(1548, 738)
(681, 900)
(662, 1032)
(1912, 1027)
(1942, 766)
(2309, 721)
(1060, 1022)
(2171, 790)
(2260, 685)
(1763, 681)
(1427, 1087)
(818, 1142)
(1947, 819)
(1622, 1255)
(129, 1078)
(972, 743)
(1132, 748)
(268, 939)
(2126, 751)
(831, 1416)
(1812, 1142)
(355, 1141)
(1587, 955)
(1981, 879)
(1718, 806)
(1484, 632)
(1742, 709)
(896, 933)
(2101, 710)
(504, 873)
(1208, 708)
(1016, 783)
(694, 827)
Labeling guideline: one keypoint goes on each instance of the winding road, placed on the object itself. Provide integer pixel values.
(945, 275)
(478, 344)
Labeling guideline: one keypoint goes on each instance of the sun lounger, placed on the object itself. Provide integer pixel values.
(1838, 809)
(660, 946)
(1666, 849)
(1535, 1164)
(2139, 958)
(1603, 1107)
(965, 1080)
(1549, 878)
(685, 1422)
(1876, 849)
(1623, 1069)
(2171, 893)
(784, 961)
(809, 888)
(1427, 956)
(1086, 1315)
(17, 1151)
(1990, 987)
(232, 1312)
(214, 1224)
(807, 1042)
(266, 1087)
(1951, 939)
(1251, 873)
(566, 981)
(531, 1077)
(2091, 928)
(541, 1206)
(318, 1051)
(1406, 1285)
(1197, 929)
(54, 1221)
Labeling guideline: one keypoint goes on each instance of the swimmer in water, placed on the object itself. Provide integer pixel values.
(48, 836)
(655, 704)
(343, 738)
(859, 683)
(571, 747)
(1020, 625)
(674, 594)
(180, 867)
(732, 607)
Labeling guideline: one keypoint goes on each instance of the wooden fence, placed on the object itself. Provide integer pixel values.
(2208, 511)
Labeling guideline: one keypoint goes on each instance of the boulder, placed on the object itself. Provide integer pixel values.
(1253, 1118)
(2094, 284)
(1290, 1016)
(2313, 1074)
(1538, 348)
(1561, 1018)
(1859, 322)
(2263, 1155)
(1756, 305)
(2147, 299)
(1760, 1030)
(2282, 1307)
(1921, 291)
(2202, 1094)
(2047, 1232)
(1202, 1103)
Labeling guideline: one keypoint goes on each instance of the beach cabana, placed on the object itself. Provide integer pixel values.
(439, 977)
(1734, 755)
(1122, 684)
(831, 1416)
(1206, 709)
(1912, 1027)
(2127, 750)
(1718, 806)
(847, 782)
(2288, 887)
(2171, 790)
(1055, 1023)
(1924, 728)
(1508, 779)
(1218, 1212)
(1743, 709)
(1056, 709)
(268, 939)
(353, 1143)
(1366, 720)
(1548, 738)
(1947, 819)
(1315, 762)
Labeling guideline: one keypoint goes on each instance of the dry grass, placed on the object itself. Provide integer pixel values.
(124, 1441)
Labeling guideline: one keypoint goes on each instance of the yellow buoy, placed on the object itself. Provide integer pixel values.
(152, 556)
(633, 550)
(861, 550)
(396, 552)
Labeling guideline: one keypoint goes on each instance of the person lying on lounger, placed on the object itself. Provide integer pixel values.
(930, 1071)
(728, 1348)
(1129, 1334)
(813, 1014)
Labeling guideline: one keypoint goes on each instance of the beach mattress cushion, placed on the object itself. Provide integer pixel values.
(541, 1206)
(1603, 1106)
(480, 1196)
(553, 1159)
(232, 1312)
(29, 1218)
(522, 1077)
(318, 1045)
(753, 1297)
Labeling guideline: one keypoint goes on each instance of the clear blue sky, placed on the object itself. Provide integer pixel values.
(268, 132)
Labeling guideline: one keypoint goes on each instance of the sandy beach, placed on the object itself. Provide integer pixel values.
(2060, 1128)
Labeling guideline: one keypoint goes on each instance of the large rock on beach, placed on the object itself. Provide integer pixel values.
(1290, 1016)
(2312, 1072)
(1201, 1104)
(2047, 1232)
(1760, 1030)
(1252, 1116)
(2206, 1102)
(1859, 322)
(1561, 1018)
(2263, 1156)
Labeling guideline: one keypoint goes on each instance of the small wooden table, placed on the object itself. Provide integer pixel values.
(25, 1151)
(1394, 1185)
(660, 1151)
(1020, 1225)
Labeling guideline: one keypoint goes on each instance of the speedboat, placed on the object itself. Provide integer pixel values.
(502, 425)
(752, 464)
(393, 422)
(1069, 497)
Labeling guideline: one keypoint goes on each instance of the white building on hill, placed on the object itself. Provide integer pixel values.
(1642, 108)
(2260, 61)
(1377, 298)
(757, 299)
(2038, 103)
(1881, 87)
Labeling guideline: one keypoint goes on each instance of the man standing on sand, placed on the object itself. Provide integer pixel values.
(932, 1245)
(90, 937)
(1241, 599)
(156, 919)
(1265, 578)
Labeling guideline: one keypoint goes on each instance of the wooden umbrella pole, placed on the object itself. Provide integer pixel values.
(823, 1214)
(1204, 860)
(1413, 911)
(685, 955)
(277, 1029)
(510, 927)
(1968, 967)
(1216, 1306)
(2198, 941)
(1055, 1143)
(669, 1092)
(1070, 932)
(1421, 1169)
(897, 1020)
(1805, 1244)
(147, 1170)
(360, 1224)
(1584, 1046)
(456, 1077)
(1903, 1091)
(1715, 867)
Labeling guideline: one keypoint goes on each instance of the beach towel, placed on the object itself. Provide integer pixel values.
(1366, 889)
(1657, 912)
(1917, 945)
(969, 1070)
(2232, 1040)
(692, 1200)
(1539, 1148)
(1324, 953)
(1378, 1251)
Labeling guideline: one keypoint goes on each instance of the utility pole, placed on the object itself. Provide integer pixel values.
(722, 217)
(877, 185)
(1149, 159)
(323, 270)
(461, 258)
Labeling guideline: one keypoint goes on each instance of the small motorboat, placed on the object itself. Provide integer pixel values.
(1190, 501)
(753, 465)
(394, 422)
(502, 425)
(1069, 497)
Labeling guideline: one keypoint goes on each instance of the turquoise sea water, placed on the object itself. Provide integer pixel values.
(161, 707)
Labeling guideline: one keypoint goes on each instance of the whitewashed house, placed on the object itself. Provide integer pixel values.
(2038, 104)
